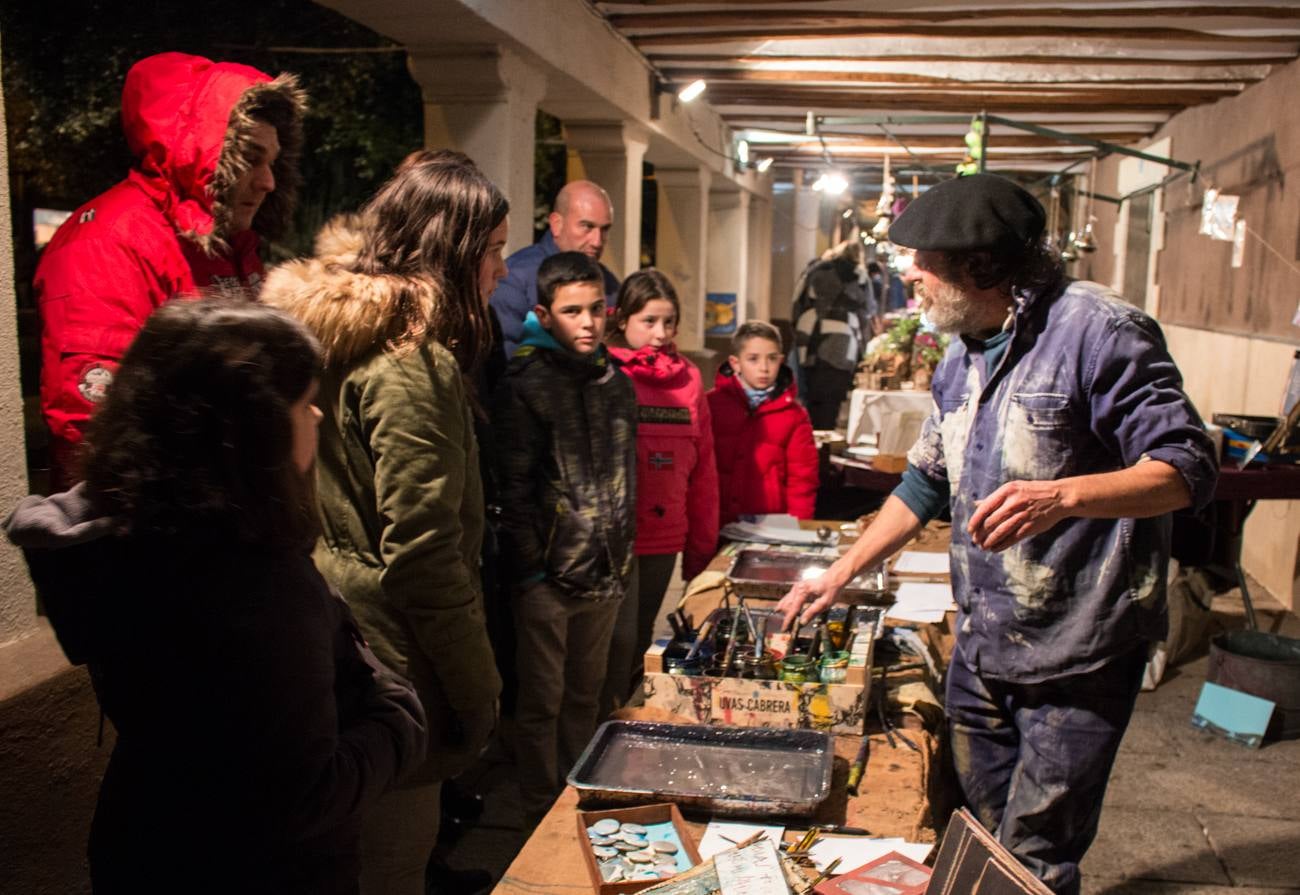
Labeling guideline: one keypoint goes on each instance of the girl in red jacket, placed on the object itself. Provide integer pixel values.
(676, 480)
(767, 460)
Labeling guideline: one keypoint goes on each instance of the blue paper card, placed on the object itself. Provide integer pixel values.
(1238, 716)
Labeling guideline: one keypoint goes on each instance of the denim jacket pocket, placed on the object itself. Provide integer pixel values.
(1037, 443)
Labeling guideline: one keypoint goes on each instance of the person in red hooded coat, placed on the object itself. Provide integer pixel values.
(676, 480)
(767, 459)
(216, 147)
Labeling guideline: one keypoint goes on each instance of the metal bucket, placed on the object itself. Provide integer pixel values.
(1263, 665)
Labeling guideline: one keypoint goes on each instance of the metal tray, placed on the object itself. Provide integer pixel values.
(731, 771)
(770, 573)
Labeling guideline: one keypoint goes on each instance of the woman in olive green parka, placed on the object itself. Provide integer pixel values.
(397, 296)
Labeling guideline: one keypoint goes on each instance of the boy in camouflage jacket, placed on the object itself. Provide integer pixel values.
(565, 425)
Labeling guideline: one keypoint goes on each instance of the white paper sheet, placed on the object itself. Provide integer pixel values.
(918, 562)
(718, 832)
(751, 871)
(924, 595)
(921, 602)
(854, 851)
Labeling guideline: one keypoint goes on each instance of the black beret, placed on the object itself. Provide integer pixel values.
(973, 213)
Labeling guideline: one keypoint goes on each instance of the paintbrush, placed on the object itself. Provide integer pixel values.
(731, 642)
(859, 766)
(705, 630)
(830, 868)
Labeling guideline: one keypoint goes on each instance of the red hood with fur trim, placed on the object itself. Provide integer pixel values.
(158, 234)
(176, 113)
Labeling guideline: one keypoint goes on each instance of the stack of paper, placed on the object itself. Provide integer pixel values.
(922, 603)
(918, 562)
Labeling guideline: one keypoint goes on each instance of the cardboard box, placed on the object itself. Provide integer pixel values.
(644, 814)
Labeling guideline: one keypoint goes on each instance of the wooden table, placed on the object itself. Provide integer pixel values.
(893, 802)
(896, 796)
(1235, 494)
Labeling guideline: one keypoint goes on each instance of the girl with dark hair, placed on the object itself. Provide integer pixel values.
(253, 724)
(676, 479)
(398, 298)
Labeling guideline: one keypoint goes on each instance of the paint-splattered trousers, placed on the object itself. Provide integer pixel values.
(1033, 760)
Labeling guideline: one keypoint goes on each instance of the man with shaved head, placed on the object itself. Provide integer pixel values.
(580, 223)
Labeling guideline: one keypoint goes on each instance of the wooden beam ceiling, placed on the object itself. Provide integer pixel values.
(1116, 68)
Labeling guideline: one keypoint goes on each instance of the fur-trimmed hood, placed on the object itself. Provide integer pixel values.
(188, 121)
(351, 313)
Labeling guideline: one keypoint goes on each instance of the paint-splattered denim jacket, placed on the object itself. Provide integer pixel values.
(1086, 386)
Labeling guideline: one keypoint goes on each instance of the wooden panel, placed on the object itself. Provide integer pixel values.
(1248, 149)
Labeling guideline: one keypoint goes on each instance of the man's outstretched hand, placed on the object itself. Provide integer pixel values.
(1017, 510)
(817, 593)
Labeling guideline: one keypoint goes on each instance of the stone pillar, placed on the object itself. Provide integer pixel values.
(611, 154)
(483, 102)
(17, 603)
(784, 266)
(729, 247)
(758, 297)
(807, 226)
(682, 243)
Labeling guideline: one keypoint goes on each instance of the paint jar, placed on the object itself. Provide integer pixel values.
(835, 628)
(683, 666)
(759, 668)
(834, 667)
(797, 669)
(717, 665)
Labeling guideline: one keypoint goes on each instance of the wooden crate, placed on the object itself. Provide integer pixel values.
(643, 814)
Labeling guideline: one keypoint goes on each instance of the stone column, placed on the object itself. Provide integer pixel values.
(729, 247)
(17, 603)
(807, 225)
(611, 154)
(758, 297)
(682, 242)
(483, 102)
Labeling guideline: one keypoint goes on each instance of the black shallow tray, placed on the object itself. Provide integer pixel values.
(732, 771)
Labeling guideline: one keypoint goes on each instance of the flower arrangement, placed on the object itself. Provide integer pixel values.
(929, 349)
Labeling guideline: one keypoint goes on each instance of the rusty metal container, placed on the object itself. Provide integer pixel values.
(1264, 665)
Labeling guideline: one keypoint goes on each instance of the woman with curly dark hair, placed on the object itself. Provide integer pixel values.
(398, 296)
(253, 724)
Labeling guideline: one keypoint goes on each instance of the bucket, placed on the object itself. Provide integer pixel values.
(1264, 665)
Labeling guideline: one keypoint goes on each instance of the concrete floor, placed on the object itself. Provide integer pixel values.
(1186, 813)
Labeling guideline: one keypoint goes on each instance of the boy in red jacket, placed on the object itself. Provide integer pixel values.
(762, 435)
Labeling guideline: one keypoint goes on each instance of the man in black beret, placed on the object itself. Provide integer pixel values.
(1061, 441)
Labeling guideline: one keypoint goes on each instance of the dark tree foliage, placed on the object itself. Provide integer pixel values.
(65, 62)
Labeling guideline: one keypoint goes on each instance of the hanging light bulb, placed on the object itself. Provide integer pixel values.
(1087, 241)
(764, 164)
(692, 90)
(742, 152)
(835, 183)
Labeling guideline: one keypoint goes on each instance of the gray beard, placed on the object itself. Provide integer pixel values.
(952, 311)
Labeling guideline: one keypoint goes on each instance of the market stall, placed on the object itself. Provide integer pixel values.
(890, 745)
